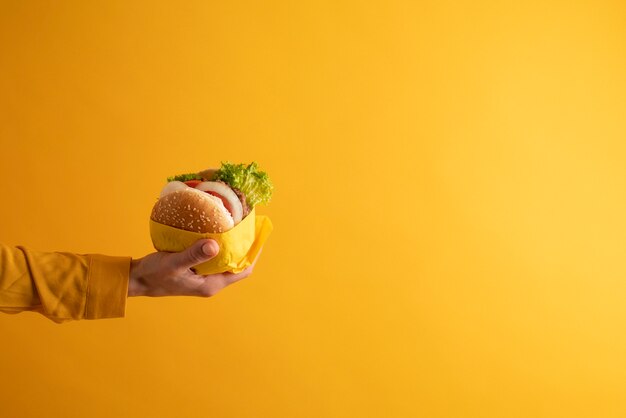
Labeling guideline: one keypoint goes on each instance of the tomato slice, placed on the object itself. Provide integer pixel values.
(193, 183)
(226, 204)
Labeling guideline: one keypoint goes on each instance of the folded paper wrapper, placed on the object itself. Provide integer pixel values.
(239, 246)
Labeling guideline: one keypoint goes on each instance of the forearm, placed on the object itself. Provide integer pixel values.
(63, 286)
(136, 283)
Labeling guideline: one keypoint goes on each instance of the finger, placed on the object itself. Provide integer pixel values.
(212, 285)
(201, 251)
(230, 278)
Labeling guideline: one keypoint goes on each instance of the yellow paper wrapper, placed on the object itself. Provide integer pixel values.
(238, 246)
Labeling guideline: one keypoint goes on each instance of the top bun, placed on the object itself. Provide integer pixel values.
(208, 174)
(192, 210)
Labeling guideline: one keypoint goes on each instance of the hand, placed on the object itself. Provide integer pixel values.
(171, 274)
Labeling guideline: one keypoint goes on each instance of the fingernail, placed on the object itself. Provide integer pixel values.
(209, 248)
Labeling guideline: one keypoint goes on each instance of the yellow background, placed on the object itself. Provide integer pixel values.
(450, 205)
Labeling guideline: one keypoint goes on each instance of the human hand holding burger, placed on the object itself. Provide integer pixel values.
(170, 274)
(205, 205)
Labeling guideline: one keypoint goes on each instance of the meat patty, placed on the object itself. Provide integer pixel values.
(242, 198)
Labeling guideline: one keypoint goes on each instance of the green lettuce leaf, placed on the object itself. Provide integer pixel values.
(254, 184)
(184, 177)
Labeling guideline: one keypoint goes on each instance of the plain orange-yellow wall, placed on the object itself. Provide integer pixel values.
(449, 207)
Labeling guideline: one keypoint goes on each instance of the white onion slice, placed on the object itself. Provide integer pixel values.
(172, 186)
(234, 204)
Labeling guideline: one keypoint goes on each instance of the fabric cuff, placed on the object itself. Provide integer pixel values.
(107, 286)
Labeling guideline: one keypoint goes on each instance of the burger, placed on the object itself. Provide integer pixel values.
(214, 200)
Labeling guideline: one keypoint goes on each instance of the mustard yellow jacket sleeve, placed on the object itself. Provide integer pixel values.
(63, 286)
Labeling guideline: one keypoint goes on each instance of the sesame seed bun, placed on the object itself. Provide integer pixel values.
(208, 174)
(192, 210)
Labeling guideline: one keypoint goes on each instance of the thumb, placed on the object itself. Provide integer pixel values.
(201, 251)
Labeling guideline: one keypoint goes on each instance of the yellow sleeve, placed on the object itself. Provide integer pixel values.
(63, 286)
